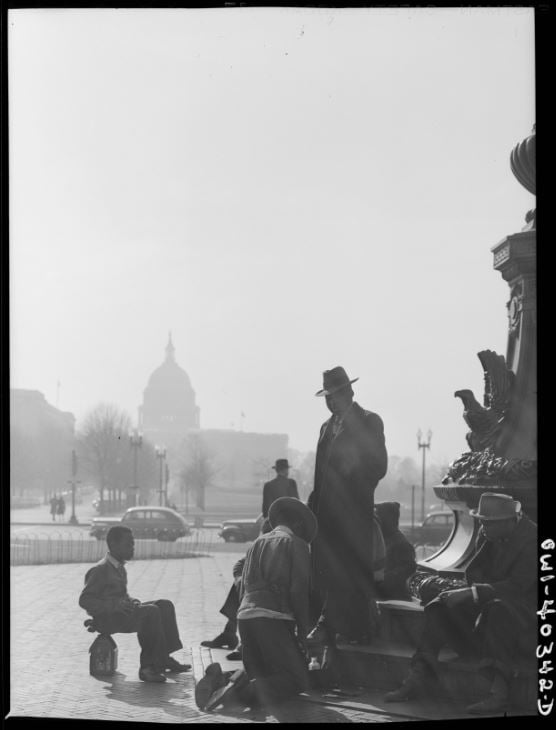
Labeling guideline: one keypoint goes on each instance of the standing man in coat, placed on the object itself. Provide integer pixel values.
(280, 486)
(351, 458)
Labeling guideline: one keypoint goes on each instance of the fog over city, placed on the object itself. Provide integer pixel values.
(284, 189)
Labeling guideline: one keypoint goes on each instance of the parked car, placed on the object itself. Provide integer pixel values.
(435, 529)
(242, 530)
(146, 523)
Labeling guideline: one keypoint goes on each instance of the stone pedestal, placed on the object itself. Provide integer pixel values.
(503, 457)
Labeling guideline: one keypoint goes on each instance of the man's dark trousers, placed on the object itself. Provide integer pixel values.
(272, 658)
(493, 632)
(156, 628)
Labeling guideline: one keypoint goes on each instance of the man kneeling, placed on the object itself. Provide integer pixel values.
(274, 601)
(106, 599)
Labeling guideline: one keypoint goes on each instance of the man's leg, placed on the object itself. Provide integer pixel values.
(151, 637)
(273, 659)
(228, 637)
(169, 625)
(443, 626)
(502, 633)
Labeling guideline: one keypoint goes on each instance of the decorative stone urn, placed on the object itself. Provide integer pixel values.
(502, 440)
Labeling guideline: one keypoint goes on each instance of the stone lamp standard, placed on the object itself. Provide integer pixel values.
(135, 442)
(160, 452)
(424, 445)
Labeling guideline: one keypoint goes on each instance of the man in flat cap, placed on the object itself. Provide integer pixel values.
(351, 458)
(494, 618)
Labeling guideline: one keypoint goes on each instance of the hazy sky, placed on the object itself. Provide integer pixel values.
(285, 189)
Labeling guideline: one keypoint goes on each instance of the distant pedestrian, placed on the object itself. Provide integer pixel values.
(53, 507)
(280, 486)
(61, 508)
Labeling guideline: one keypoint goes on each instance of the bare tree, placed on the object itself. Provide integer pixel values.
(198, 467)
(103, 446)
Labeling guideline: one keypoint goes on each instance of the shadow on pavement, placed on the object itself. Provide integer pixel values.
(170, 697)
(288, 712)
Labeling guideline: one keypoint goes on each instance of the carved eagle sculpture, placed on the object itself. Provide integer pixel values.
(486, 421)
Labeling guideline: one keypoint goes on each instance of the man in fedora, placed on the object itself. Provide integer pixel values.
(351, 458)
(494, 619)
(280, 486)
(274, 606)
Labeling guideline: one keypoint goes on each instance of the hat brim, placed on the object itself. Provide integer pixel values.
(495, 518)
(284, 466)
(310, 526)
(330, 391)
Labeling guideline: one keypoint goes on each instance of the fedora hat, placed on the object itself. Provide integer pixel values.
(296, 509)
(281, 464)
(333, 380)
(496, 507)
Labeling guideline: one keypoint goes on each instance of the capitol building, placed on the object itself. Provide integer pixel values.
(169, 414)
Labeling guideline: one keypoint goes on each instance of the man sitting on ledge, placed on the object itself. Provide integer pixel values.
(495, 617)
(106, 599)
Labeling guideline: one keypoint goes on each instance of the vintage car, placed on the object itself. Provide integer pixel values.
(435, 529)
(146, 523)
(243, 530)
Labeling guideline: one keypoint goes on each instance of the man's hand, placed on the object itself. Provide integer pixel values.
(456, 597)
(127, 605)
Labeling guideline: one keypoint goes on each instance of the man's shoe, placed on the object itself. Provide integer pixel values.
(412, 687)
(491, 704)
(149, 674)
(235, 656)
(222, 641)
(229, 692)
(174, 666)
(214, 679)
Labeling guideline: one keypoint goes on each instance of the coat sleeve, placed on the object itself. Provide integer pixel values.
(376, 454)
(92, 599)
(293, 489)
(521, 580)
(299, 585)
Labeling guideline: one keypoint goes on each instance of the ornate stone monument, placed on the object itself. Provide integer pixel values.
(502, 440)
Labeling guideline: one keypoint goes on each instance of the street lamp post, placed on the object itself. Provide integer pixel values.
(135, 441)
(423, 445)
(73, 481)
(161, 456)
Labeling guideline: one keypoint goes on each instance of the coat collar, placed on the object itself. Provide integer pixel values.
(328, 425)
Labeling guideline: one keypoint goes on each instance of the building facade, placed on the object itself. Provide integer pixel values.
(41, 442)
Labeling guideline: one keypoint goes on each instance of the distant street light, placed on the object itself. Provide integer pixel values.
(160, 452)
(135, 441)
(423, 445)
(73, 481)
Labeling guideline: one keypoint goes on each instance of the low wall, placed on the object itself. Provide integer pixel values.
(77, 547)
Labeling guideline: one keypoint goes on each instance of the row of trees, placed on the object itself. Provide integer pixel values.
(106, 458)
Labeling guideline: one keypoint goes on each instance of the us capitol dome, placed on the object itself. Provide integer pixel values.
(169, 410)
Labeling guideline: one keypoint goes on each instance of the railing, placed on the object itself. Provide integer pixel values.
(77, 547)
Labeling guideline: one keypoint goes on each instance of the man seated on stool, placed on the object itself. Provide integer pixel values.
(495, 617)
(106, 599)
(274, 601)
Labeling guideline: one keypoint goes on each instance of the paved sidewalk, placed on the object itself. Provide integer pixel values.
(49, 660)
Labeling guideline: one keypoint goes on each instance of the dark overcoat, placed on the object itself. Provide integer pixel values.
(280, 486)
(348, 468)
(508, 571)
